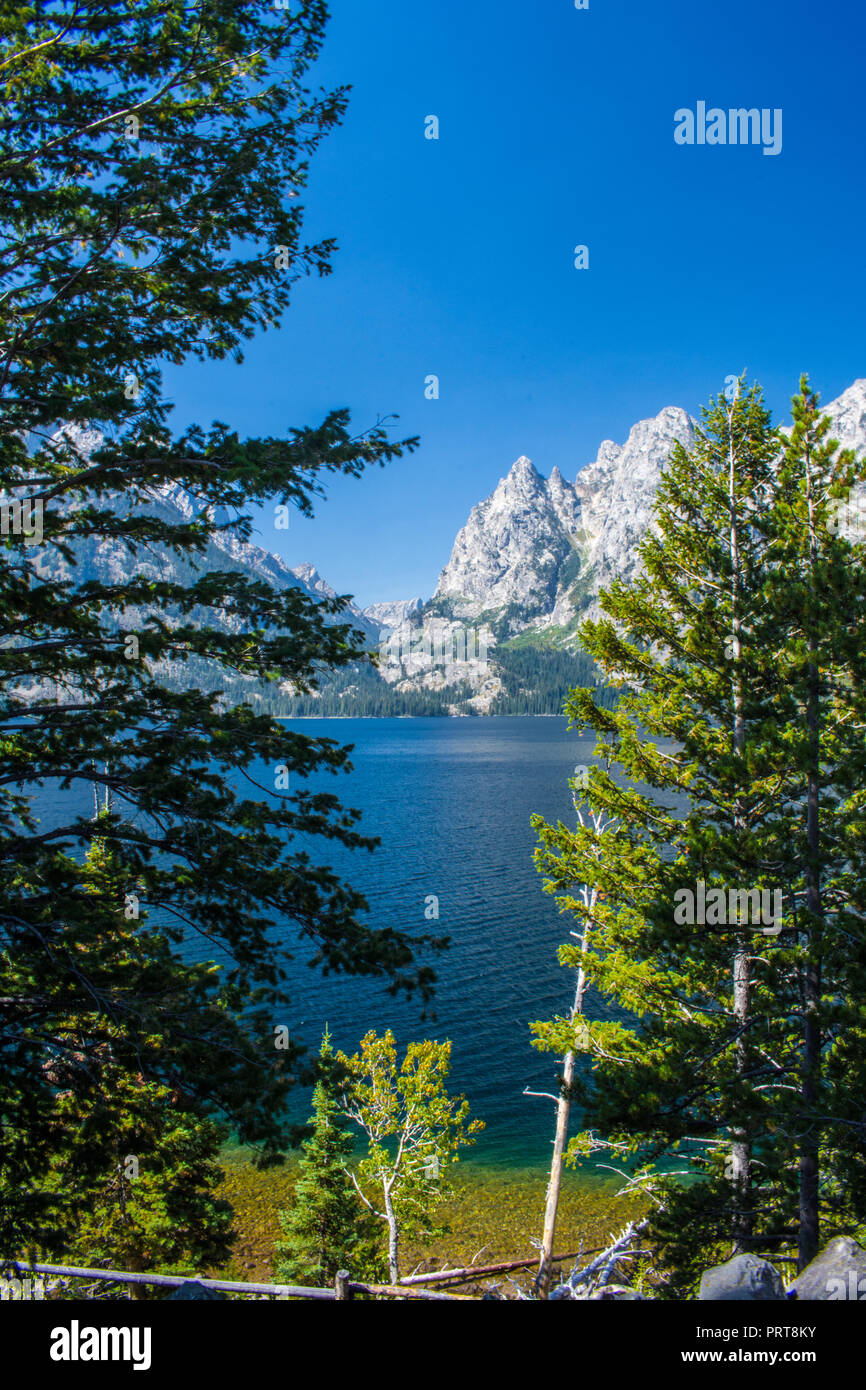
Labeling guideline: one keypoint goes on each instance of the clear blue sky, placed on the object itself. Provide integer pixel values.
(456, 255)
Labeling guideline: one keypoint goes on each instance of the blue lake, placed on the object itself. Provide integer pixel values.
(451, 800)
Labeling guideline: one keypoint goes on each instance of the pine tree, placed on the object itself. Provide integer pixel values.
(818, 597)
(699, 782)
(328, 1228)
(152, 158)
(133, 1173)
(156, 1206)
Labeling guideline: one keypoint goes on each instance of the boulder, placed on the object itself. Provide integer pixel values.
(839, 1272)
(192, 1289)
(744, 1278)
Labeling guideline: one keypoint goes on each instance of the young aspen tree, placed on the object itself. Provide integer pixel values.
(584, 906)
(413, 1128)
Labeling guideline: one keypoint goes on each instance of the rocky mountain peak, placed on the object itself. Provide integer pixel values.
(524, 468)
(388, 616)
(512, 546)
(848, 413)
(312, 580)
(618, 489)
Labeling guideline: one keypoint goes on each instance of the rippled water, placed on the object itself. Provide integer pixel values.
(451, 800)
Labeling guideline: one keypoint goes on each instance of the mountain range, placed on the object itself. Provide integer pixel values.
(500, 631)
(532, 557)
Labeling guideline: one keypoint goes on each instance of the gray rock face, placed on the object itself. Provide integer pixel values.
(848, 413)
(513, 546)
(744, 1278)
(617, 492)
(543, 548)
(388, 616)
(534, 555)
(838, 1273)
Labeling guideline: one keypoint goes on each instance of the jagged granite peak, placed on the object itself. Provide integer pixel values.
(848, 413)
(512, 547)
(388, 616)
(564, 500)
(523, 469)
(617, 492)
(312, 580)
(544, 547)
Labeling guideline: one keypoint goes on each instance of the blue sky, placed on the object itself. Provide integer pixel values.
(457, 255)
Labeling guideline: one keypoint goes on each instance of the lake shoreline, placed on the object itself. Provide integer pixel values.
(498, 1211)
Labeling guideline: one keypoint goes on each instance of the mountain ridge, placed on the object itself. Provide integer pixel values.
(524, 570)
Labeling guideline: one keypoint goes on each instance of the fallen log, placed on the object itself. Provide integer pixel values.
(472, 1271)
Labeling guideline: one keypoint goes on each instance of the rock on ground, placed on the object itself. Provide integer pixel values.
(745, 1277)
(839, 1272)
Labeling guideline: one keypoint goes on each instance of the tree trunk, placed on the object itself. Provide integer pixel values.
(808, 1244)
(393, 1239)
(563, 1111)
(741, 1150)
(809, 1156)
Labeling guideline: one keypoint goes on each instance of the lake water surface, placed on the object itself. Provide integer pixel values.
(451, 801)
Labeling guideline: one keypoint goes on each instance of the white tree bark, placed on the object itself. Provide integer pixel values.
(563, 1105)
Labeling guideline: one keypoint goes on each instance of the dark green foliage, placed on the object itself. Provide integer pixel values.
(739, 652)
(328, 1228)
(360, 691)
(537, 679)
(156, 1207)
(115, 255)
(133, 1172)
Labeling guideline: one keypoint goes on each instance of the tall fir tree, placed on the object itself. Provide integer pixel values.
(697, 789)
(328, 1228)
(152, 158)
(133, 1176)
(818, 598)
